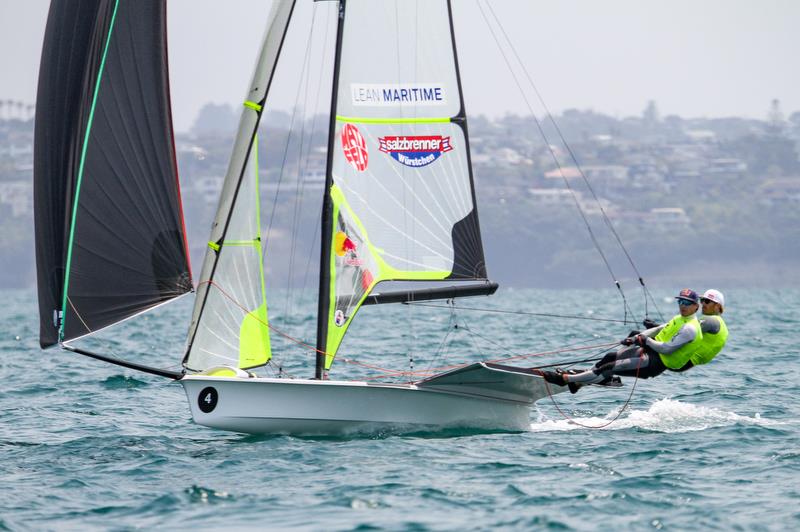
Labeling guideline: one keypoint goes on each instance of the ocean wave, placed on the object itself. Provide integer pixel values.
(665, 415)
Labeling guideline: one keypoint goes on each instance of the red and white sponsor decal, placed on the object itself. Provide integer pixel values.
(354, 147)
(415, 150)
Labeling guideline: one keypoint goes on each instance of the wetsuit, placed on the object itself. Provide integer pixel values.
(659, 354)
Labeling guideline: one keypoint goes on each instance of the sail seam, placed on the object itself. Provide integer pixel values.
(84, 149)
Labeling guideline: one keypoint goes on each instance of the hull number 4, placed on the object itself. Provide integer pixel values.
(207, 400)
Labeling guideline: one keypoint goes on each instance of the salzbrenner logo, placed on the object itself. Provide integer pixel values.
(415, 151)
(390, 95)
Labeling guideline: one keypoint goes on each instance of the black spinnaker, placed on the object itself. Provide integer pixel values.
(110, 237)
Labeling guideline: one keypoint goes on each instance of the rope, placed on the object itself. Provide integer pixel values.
(557, 163)
(516, 355)
(450, 329)
(434, 370)
(519, 312)
(407, 373)
(606, 219)
(604, 425)
(266, 324)
(568, 364)
(104, 342)
(397, 373)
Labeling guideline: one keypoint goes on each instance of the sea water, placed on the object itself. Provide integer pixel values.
(84, 445)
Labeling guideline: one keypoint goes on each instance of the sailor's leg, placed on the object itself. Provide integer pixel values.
(590, 376)
(622, 352)
(608, 357)
(624, 361)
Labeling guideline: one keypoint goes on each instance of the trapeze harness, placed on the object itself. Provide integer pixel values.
(671, 349)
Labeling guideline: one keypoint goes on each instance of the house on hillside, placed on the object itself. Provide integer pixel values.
(18, 196)
(784, 191)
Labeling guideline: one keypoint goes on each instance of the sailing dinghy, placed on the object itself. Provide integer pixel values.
(399, 205)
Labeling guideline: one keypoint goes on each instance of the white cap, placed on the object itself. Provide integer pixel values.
(715, 296)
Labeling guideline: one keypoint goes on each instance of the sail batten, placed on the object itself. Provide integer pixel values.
(400, 187)
(110, 235)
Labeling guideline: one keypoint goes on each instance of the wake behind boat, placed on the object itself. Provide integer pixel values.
(399, 205)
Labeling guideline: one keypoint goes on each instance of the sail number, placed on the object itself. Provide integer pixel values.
(207, 400)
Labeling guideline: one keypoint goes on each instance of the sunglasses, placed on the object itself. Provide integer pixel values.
(686, 302)
(706, 300)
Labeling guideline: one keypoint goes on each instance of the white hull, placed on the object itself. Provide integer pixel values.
(313, 407)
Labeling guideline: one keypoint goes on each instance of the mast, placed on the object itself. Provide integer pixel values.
(327, 214)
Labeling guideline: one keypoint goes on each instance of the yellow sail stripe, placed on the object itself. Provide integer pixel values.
(367, 120)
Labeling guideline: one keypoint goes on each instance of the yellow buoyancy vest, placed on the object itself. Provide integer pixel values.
(680, 357)
(711, 344)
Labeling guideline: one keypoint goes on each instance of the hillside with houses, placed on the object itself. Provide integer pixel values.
(691, 199)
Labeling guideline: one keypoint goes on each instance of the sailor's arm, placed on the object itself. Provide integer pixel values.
(636, 337)
(684, 336)
(653, 331)
(710, 325)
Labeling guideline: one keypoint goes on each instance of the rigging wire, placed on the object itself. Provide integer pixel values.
(450, 329)
(514, 354)
(299, 188)
(538, 123)
(557, 163)
(606, 219)
(106, 344)
(427, 372)
(304, 69)
(520, 312)
(314, 239)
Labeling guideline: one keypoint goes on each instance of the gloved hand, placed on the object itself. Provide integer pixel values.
(628, 341)
(649, 324)
(641, 340)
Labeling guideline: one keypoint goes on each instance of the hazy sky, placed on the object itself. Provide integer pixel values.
(694, 58)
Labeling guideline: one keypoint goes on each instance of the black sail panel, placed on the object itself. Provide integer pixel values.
(71, 52)
(124, 241)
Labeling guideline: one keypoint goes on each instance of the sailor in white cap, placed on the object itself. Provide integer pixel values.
(670, 347)
(715, 332)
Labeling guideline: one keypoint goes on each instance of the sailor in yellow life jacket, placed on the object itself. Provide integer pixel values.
(715, 332)
(671, 348)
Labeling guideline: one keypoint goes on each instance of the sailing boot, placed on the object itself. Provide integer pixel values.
(559, 377)
(553, 377)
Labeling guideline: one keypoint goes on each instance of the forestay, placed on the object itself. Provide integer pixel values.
(402, 195)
